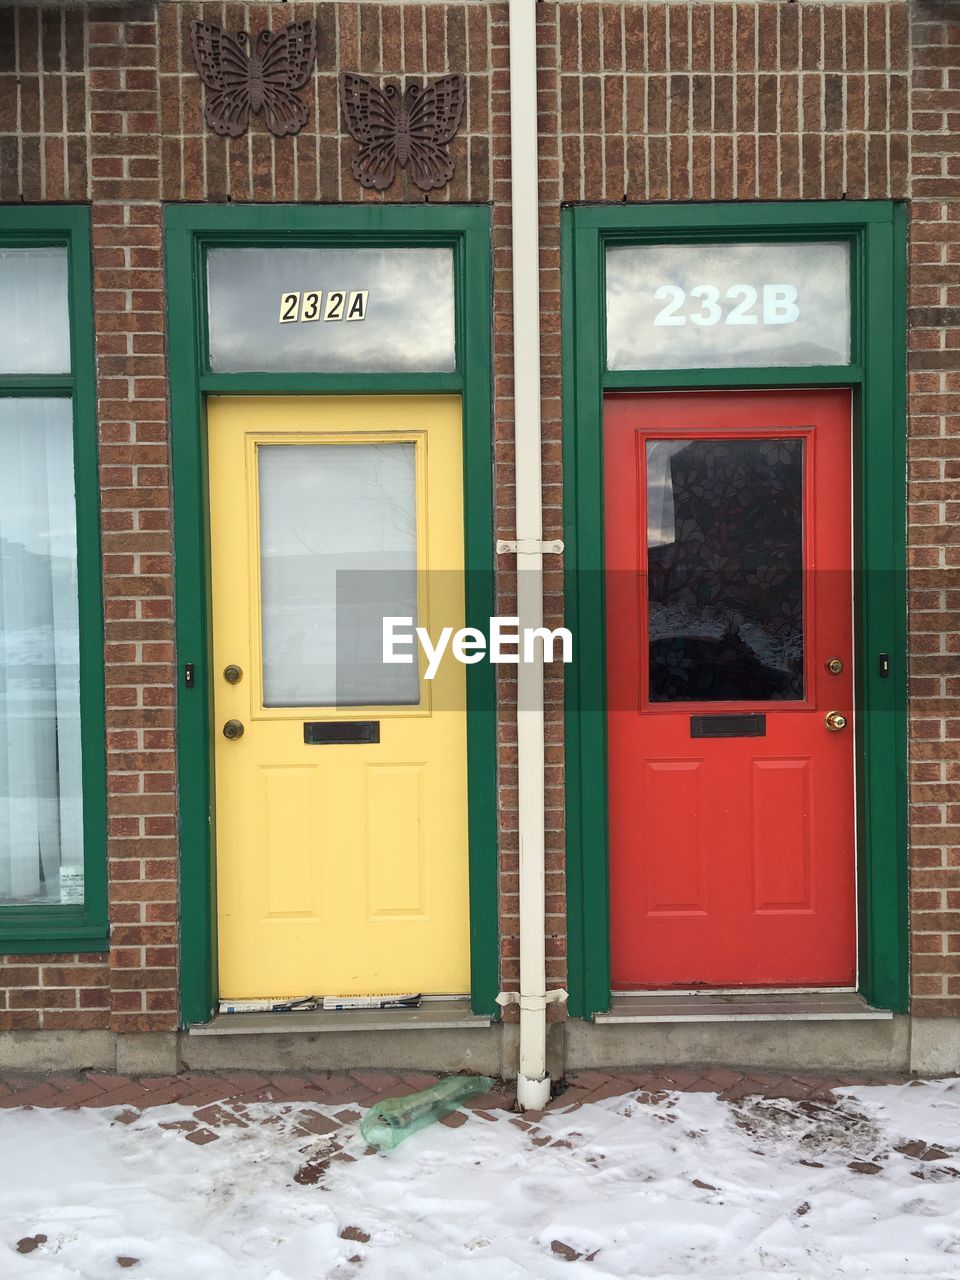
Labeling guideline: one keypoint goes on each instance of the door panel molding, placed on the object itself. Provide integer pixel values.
(876, 376)
(414, 436)
(189, 230)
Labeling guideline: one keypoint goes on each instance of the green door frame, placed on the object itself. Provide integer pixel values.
(189, 231)
(876, 231)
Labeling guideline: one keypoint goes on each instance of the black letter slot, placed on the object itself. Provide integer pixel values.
(728, 726)
(320, 732)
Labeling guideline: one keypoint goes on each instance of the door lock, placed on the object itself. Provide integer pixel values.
(834, 666)
(834, 721)
(232, 730)
(232, 674)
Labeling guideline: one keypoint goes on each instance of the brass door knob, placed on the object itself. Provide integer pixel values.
(835, 721)
(233, 729)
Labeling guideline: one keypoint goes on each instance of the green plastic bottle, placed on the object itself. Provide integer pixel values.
(387, 1124)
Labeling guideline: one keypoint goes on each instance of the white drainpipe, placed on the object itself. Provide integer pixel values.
(533, 1083)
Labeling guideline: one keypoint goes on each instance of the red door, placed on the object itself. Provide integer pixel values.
(729, 648)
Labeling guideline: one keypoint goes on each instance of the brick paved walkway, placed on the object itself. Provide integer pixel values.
(362, 1088)
(221, 1100)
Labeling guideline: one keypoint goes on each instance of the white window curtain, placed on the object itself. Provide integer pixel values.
(41, 818)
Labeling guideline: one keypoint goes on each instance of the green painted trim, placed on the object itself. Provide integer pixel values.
(877, 233)
(585, 733)
(346, 224)
(763, 219)
(474, 330)
(32, 384)
(882, 619)
(36, 929)
(56, 939)
(578, 884)
(189, 230)
(343, 384)
(198, 915)
(89, 575)
(715, 379)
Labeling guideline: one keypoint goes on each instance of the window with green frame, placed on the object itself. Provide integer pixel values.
(52, 765)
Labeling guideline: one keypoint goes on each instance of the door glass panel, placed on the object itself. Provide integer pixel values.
(725, 570)
(338, 553)
(41, 807)
(325, 310)
(34, 311)
(717, 306)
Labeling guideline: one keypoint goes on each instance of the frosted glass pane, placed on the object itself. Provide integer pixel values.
(716, 306)
(34, 312)
(338, 553)
(331, 310)
(41, 807)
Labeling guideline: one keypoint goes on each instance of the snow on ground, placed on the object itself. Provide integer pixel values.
(658, 1186)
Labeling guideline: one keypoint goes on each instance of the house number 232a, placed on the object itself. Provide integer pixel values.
(314, 304)
(770, 304)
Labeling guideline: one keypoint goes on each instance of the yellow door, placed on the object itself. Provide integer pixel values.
(341, 809)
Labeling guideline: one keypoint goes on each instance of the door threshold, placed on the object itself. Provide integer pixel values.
(436, 1014)
(776, 992)
(771, 1006)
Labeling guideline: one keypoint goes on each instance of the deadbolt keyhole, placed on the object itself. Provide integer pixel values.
(232, 674)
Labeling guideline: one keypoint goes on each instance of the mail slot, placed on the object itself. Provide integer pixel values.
(330, 732)
(754, 726)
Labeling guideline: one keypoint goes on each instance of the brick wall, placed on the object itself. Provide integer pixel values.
(934, 512)
(392, 41)
(807, 101)
(759, 100)
(731, 101)
(105, 105)
(54, 993)
(137, 555)
(43, 106)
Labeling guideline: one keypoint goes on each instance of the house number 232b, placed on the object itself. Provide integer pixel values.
(315, 304)
(770, 304)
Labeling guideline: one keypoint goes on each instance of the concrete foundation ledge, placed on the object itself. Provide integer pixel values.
(854, 1045)
(450, 1049)
(920, 1046)
(935, 1046)
(148, 1053)
(58, 1051)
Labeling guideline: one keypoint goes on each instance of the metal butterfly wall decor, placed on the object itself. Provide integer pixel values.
(410, 128)
(246, 75)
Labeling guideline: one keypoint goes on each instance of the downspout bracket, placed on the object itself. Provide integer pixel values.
(528, 547)
(532, 1003)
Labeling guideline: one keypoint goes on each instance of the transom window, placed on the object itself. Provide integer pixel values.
(331, 309)
(723, 306)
